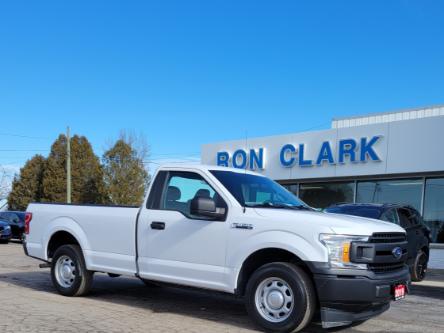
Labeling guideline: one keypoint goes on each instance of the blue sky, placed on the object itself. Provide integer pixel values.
(192, 72)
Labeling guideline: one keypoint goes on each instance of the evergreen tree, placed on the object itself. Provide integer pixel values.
(27, 187)
(86, 173)
(125, 176)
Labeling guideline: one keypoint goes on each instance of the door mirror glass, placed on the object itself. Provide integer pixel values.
(404, 215)
(206, 207)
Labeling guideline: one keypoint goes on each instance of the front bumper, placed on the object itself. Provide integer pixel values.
(347, 296)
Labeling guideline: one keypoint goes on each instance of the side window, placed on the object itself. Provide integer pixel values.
(390, 216)
(156, 190)
(404, 218)
(182, 188)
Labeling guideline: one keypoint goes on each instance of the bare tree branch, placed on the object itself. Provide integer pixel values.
(5, 182)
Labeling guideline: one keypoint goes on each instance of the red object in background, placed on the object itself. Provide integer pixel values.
(28, 218)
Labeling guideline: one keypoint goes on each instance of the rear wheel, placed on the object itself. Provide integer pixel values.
(68, 271)
(280, 297)
(419, 268)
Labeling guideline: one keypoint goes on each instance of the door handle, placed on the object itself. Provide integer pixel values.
(158, 225)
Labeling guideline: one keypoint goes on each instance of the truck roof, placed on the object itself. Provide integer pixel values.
(203, 167)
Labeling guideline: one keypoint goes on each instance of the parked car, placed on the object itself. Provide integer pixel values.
(17, 222)
(5, 232)
(418, 235)
(233, 231)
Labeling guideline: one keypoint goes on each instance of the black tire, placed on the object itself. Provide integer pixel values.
(82, 280)
(300, 312)
(419, 268)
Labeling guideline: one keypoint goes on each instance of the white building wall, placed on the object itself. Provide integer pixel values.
(405, 146)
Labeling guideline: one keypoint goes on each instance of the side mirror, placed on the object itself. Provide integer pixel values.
(206, 207)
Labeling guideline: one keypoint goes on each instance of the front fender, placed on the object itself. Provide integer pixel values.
(300, 247)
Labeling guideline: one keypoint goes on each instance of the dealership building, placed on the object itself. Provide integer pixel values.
(394, 157)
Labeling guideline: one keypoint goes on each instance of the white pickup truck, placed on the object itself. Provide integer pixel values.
(233, 231)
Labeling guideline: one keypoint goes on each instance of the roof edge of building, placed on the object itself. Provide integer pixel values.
(373, 114)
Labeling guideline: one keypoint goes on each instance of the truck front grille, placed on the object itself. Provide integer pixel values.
(385, 268)
(378, 253)
(394, 237)
(383, 260)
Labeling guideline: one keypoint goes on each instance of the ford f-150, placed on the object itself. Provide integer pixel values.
(233, 231)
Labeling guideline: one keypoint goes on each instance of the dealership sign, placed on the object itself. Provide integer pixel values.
(290, 155)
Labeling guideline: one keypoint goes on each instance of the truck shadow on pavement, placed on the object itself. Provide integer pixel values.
(215, 307)
(203, 305)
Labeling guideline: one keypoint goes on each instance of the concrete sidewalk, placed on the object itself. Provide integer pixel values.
(436, 257)
(434, 278)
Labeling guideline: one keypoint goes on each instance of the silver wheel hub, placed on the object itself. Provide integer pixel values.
(65, 271)
(274, 299)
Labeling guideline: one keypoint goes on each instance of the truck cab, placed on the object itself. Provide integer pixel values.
(233, 231)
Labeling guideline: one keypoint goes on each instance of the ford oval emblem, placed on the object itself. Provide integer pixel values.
(397, 252)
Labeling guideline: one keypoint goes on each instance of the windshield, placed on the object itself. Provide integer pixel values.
(256, 191)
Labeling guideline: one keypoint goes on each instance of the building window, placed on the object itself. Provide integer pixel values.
(323, 195)
(400, 191)
(434, 208)
(293, 188)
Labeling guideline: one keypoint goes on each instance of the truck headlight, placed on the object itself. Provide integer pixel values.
(338, 247)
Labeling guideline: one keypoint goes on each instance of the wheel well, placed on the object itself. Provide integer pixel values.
(262, 257)
(58, 239)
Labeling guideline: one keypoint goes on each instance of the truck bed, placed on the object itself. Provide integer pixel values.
(107, 233)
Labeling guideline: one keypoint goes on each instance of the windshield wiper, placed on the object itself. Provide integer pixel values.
(266, 205)
(278, 206)
(300, 207)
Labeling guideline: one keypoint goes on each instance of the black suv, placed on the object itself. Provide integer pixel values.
(418, 235)
(17, 222)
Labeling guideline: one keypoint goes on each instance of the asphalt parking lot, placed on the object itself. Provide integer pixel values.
(28, 303)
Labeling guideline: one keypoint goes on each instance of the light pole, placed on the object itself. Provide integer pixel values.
(68, 166)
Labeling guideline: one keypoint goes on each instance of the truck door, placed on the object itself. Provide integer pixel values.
(175, 246)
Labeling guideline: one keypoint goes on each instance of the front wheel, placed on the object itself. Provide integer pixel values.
(280, 297)
(68, 271)
(419, 268)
